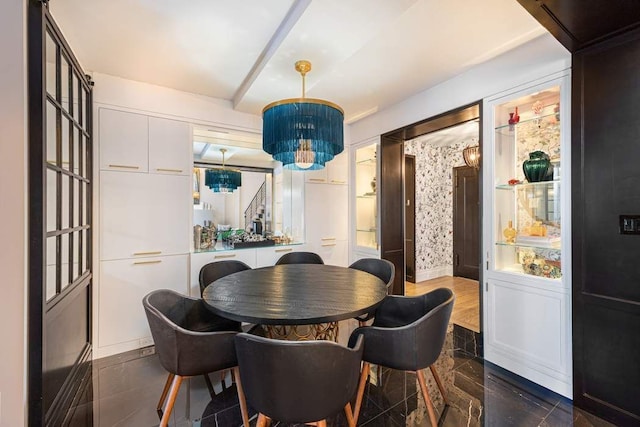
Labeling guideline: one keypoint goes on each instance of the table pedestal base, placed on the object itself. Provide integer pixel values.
(320, 331)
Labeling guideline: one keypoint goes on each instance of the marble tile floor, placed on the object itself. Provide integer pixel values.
(124, 390)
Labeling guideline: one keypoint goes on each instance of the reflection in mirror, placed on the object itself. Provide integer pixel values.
(265, 207)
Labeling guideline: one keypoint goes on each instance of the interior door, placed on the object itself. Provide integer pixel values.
(410, 216)
(60, 229)
(466, 241)
(392, 206)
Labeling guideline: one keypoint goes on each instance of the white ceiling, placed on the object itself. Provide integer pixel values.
(366, 54)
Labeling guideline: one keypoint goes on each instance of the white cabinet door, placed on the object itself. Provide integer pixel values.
(170, 147)
(144, 214)
(527, 332)
(122, 324)
(124, 141)
(318, 176)
(326, 212)
(200, 259)
(338, 169)
(332, 252)
(268, 256)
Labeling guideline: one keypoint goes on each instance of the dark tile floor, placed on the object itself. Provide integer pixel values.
(124, 391)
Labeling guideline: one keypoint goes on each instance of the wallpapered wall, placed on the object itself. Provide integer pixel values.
(434, 204)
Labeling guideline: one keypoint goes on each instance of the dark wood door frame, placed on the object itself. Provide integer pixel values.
(391, 184)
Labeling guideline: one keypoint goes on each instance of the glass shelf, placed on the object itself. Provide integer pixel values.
(367, 196)
(510, 128)
(525, 245)
(527, 185)
(371, 161)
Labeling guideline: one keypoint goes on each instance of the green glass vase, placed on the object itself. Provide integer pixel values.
(538, 167)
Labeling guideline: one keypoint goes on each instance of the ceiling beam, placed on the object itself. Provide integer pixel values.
(291, 18)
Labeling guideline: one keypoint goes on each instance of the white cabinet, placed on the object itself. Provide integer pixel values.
(526, 229)
(326, 216)
(169, 146)
(365, 200)
(143, 214)
(124, 141)
(133, 142)
(268, 256)
(122, 324)
(335, 172)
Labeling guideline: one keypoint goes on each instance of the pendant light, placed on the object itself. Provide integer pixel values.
(303, 133)
(471, 155)
(223, 180)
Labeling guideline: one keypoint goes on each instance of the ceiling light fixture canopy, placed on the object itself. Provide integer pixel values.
(471, 155)
(222, 180)
(303, 133)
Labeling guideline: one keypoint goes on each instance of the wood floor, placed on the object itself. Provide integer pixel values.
(466, 309)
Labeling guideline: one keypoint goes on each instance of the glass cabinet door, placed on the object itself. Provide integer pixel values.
(527, 162)
(366, 206)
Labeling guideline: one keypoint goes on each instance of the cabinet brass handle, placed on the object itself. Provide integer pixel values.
(147, 253)
(224, 256)
(328, 244)
(124, 166)
(335, 181)
(328, 238)
(168, 170)
(157, 261)
(284, 250)
(316, 179)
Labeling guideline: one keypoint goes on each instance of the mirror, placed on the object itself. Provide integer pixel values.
(269, 203)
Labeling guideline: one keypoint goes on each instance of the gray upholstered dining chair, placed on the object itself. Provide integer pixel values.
(300, 258)
(213, 271)
(407, 334)
(383, 270)
(298, 381)
(189, 341)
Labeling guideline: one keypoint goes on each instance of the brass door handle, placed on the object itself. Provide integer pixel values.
(284, 250)
(169, 170)
(224, 256)
(147, 253)
(157, 261)
(124, 166)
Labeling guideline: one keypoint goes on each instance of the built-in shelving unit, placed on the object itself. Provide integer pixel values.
(366, 198)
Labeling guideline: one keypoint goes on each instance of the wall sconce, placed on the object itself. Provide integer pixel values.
(471, 155)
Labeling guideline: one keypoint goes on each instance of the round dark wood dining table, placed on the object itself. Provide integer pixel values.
(295, 294)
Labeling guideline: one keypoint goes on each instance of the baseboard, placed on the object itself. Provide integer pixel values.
(432, 273)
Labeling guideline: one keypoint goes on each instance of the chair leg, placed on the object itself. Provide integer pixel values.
(163, 396)
(175, 386)
(322, 423)
(427, 399)
(207, 381)
(241, 398)
(363, 381)
(347, 411)
(263, 421)
(439, 383)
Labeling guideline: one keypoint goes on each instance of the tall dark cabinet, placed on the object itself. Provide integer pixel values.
(604, 38)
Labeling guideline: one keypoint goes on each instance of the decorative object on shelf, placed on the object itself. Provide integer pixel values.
(302, 133)
(538, 167)
(510, 233)
(373, 185)
(541, 262)
(196, 186)
(223, 180)
(536, 229)
(513, 118)
(471, 155)
(537, 107)
(514, 181)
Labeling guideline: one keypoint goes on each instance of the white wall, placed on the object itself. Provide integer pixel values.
(13, 188)
(537, 58)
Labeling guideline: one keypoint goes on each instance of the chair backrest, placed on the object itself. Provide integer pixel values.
(297, 381)
(381, 268)
(183, 330)
(300, 258)
(213, 271)
(408, 333)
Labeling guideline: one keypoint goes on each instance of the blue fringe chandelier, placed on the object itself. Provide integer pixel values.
(302, 133)
(222, 180)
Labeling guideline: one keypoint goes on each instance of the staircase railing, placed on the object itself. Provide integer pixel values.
(257, 206)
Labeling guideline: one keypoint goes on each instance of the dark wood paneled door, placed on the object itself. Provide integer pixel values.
(410, 216)
(391, 185)
(466, 223)
(60, 229)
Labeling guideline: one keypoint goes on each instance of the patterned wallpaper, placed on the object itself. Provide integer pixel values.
(434, 200)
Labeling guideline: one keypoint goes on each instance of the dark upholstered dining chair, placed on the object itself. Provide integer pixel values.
(298, 381)
(407, 334)
(213, 271)
(300, 258)
(383, 270)
(189, 341)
